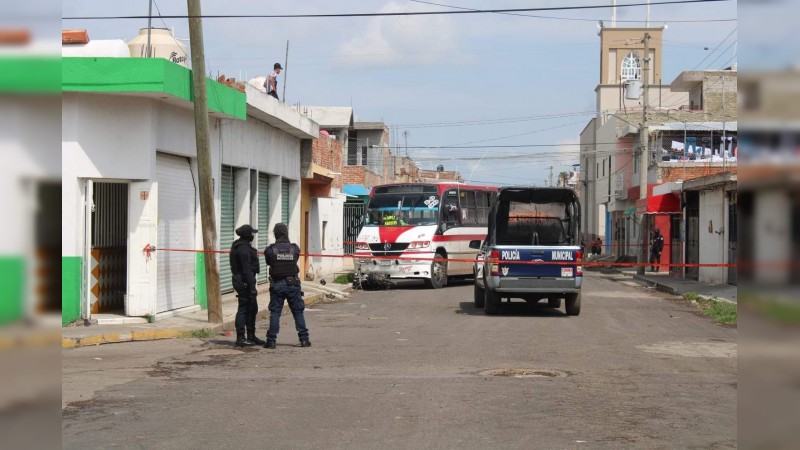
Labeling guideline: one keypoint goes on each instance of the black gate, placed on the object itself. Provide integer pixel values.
(692, 242)
(675, 244)
(353, 222)
(732, 239)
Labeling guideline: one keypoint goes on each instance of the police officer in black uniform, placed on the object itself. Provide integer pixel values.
(284, 284)
(244, 267)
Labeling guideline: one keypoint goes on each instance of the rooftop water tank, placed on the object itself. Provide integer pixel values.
(163, 45)
(633, 89)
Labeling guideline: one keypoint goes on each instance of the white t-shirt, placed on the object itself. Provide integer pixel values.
(266, 82)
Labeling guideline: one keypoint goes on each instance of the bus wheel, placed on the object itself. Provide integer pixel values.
(438, 278)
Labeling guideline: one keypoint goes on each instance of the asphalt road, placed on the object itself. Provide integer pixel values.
(412, 368)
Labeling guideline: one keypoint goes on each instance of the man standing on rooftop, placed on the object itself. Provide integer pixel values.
(271, 83)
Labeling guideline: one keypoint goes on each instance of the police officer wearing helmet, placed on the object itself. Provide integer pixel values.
(284, 284)
(244, 267)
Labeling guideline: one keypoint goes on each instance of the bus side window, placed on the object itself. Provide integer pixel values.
(451, 212)
(469, 213)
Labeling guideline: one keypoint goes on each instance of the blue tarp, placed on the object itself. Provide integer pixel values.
(355, 189)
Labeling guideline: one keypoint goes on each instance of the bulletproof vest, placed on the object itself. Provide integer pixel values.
(252, 260)
(285, 263)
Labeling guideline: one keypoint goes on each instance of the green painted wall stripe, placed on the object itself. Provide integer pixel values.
(12, 280)
(200, 293)
(146, 75)
(70, 289)
(30, 75)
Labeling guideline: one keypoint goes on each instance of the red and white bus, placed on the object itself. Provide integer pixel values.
(411, 230)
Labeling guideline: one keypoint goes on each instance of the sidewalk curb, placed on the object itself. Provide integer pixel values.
(139, 335)
(661, 287)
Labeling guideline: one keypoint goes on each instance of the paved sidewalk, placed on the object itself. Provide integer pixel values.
(182, 325)
(679, 286)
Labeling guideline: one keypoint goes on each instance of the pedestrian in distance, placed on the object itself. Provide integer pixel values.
(656, 246)
(271, 83)
(244, 267)
(284, 285)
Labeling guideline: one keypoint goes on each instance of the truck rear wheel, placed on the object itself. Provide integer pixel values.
(573, 304)
(478, 296)
(491, 302)
(554, 302)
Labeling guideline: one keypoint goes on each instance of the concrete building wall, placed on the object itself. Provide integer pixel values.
(612, 98)
(325, 235)
(617, 42)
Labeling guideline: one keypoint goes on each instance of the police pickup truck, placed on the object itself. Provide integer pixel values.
(531, 250)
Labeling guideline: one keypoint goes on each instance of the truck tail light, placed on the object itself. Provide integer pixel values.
(494, 266)
(579, 267)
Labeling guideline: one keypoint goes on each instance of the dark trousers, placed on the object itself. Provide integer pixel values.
(278, 292)
(246, 314)
(274, 94)
(655, 260)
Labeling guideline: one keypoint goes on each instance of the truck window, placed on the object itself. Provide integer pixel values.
(521, 223)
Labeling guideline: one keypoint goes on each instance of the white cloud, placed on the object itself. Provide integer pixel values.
(398, 40)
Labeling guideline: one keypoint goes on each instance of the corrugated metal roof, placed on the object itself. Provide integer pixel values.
(695, 126)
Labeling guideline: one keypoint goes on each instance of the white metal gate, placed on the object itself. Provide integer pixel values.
(285, 208)
(176, 229)
(262, 238)
(227, 227)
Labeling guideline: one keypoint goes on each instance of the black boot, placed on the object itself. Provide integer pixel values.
(241, 341)
(252, 338)
(305, 343)
(270, 344)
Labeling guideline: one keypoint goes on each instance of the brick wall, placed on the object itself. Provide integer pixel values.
(360, 175)
(675, 171)
(327, 153)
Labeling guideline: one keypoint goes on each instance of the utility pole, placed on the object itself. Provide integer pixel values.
(207, 215)
(644, 134)
(550, 177)
(285, 75)
(405, 136)
(149, 28)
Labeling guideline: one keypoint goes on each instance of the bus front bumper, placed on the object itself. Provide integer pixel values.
(405, 267)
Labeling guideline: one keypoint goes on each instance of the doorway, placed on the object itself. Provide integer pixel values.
(108, 249)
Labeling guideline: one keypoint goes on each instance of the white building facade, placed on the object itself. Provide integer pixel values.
(130, 182)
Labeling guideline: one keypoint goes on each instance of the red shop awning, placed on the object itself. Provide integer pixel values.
(659, 204)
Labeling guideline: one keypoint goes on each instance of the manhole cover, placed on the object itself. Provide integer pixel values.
(524, 373)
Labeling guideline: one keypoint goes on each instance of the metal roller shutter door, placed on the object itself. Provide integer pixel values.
(285, 201)
(263, 222)
(227, 227)
(176, 229)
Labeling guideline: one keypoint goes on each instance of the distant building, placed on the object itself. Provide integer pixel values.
(692, 133)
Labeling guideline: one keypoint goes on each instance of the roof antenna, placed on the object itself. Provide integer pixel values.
(613, 13)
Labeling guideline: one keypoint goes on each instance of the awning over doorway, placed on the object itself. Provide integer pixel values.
(358, 190)
(659, 204)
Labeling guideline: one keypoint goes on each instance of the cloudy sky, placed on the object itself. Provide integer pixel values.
(503, 79)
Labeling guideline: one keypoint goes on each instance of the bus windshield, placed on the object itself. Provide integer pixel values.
(395, 210)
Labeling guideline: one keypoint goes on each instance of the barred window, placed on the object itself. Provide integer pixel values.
(631, 67)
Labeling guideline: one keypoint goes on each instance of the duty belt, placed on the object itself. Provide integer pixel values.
(287, 280)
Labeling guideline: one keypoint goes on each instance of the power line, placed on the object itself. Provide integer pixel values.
(570, 18)
(390, 14)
